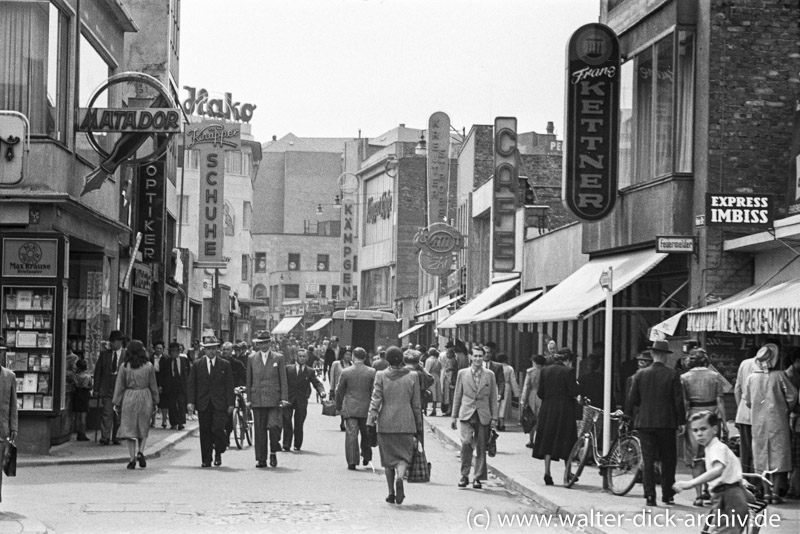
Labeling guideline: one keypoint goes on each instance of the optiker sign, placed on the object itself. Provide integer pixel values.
(739, 210)
(593, 87)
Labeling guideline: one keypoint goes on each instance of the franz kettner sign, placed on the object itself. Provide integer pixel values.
(737, 209)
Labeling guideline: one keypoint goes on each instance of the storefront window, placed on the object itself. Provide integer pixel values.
(291, 291)
(34, 37)
(656, 127)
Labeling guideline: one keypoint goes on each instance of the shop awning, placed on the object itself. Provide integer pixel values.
(505, 307)
(286, 325)
(410, 331)
(443, 304)
(666, 327)
(581, 290)
(763, 309)
(322, 323)
(486, 298)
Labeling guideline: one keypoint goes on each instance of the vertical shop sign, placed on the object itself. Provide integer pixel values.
(212, 138)
(150, 222)
(504, 202)
(348, 250)
(592, 117)
(438, 166)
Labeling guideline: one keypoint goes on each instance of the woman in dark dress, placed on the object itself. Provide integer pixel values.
(556, 431)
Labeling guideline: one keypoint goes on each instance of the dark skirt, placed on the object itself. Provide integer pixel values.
(796, 449)
(556, 431)
(395, 449)
(80, 400)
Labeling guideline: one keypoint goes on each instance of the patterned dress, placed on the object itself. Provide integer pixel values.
(137, 392)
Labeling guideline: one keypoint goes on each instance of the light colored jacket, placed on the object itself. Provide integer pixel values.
(396, 405)
(266, 384)
(8, 402)
(470, 397)
(746, 368)
(354, 391)
(771, 397)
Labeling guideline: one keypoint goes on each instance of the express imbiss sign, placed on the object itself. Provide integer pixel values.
(592, 100)
(738, 209)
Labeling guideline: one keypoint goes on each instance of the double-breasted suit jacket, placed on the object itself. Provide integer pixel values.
(471, 396)
(215, 389)
(299, 384)
(267, 384)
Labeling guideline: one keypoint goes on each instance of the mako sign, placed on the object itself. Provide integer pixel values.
(593, 87)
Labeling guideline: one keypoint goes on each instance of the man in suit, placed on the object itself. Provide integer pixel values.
(332, 354)
(489, 350)
(475, 406)
(8, 404)
(380, 363)
(173, 380)
(353, 395)
(657, 392)
(267, 393)
(299, 377)
(210, 389)
(105, 378)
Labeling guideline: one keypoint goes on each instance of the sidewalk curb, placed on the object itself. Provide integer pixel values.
(520, 487)
(26, 524)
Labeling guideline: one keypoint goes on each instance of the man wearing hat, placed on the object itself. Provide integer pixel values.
(105, 379)
(380, 363)
(210, 389)
(267, 393)
(173, 378)
(657, 392)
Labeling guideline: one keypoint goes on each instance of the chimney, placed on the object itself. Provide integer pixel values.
(274, 137)
(550, 127)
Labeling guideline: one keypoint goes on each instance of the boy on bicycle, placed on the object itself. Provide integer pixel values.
(729, 513)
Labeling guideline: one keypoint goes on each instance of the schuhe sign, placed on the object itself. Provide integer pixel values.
(739, 210)
(590, 158)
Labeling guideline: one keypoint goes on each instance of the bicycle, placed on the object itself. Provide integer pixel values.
(242, 419)
(756, 504)
(623, 464)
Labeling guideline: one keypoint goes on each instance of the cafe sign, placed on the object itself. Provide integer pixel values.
(591, 139)
(30, 258)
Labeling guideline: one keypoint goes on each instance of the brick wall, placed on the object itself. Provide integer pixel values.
(411, 191)
(544, 175)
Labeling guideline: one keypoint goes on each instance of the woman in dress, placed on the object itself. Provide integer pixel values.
(530, 393)
(771, 397)
(434, 368)
(556, 431)
(397, 411)
(136, 396)
(511, 390)
(703, 390)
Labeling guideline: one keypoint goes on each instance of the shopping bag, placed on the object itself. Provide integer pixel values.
(528, 420)
(420, 468)
(10, 459)
(491, 444)
(329, 408)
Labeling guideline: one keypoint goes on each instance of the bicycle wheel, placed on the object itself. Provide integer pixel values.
(624, 465)
(578, 457)
(247, 425)
(237, 428)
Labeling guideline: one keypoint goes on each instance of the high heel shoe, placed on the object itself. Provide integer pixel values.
(142, 460)
(548, 480)
(132, 464)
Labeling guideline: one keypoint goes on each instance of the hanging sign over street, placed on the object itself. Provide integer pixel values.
(591, 139)
(438, 166)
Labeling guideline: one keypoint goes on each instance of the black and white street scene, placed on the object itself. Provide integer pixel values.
(400, 266)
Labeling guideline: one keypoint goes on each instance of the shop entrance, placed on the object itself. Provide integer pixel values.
(141, 319)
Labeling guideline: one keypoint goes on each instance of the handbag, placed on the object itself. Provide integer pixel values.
(10, 459)
(528, 420)
(491, 444)
(420, 468)
(329, 408)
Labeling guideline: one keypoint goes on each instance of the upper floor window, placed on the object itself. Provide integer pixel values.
(657, 110)
(261, 262)
(94, 70)
(247, 215)
(34, 64)
(237, 162)
(189, 159)
(294, 262)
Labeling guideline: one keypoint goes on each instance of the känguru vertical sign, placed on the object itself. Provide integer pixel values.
(592, 119)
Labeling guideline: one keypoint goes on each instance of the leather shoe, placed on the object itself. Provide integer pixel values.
(297, 448)
(650, 501)
(351, 467)
(142, 460)
(548, 480)
(476, 484)
(218, 459)
(205, 464)
(103, 441)
(365, 462)
(286, 447)
(463, 482)
(390, 498)
(668, 500)
(116, 442)
(261, 463)
(273, 460)
(180, 427)
(132, 464)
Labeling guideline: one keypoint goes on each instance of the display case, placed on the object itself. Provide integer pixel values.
(29, 327)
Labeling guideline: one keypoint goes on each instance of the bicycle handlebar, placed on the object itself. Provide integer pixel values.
(764, 477)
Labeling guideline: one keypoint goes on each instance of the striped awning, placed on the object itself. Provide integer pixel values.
(322, 323)
(410, 331)
(442, 304)
(486, 298)
(503, 308)
(286, 325)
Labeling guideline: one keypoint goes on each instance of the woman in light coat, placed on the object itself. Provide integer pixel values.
(529, 396)
(434, 368)
(511, 390)
(771, 397)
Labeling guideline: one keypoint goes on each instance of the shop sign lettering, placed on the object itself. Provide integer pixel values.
(739, 210)
(379, 208)
(785, 321)
(438, 245)
(198, 102)
(593, 86)
(30, 257)
(506, 187)
(152, 190)
(129, 120)
(438, 166)
(348, 249)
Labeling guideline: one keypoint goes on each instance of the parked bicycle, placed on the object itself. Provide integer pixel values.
(242, 419)
(622, 465)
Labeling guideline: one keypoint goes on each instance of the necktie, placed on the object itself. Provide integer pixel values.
(114, 363)
(210, 365)
(176, 367)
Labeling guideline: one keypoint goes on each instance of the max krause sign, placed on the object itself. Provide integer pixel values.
(152, 189)
(380, 207)
(739, 210)
(593, 86)
(212, 138)
(30, 258)
(348, 249)
(438, 166)
(784, 321)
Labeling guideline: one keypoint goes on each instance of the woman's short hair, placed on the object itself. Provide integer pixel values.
(565, 355)
(698, 357)
(501, 357)
(411, 356)
(135, 354)
(394, 356)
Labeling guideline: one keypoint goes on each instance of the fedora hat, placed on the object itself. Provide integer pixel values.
(660, 345)
(645, 356)
(209, 339)
(116, 335)
(262, 337)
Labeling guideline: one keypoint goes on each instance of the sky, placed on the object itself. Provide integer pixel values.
(344, 68)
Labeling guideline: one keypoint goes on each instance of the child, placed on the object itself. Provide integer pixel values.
(80, 399)
(729, 513)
